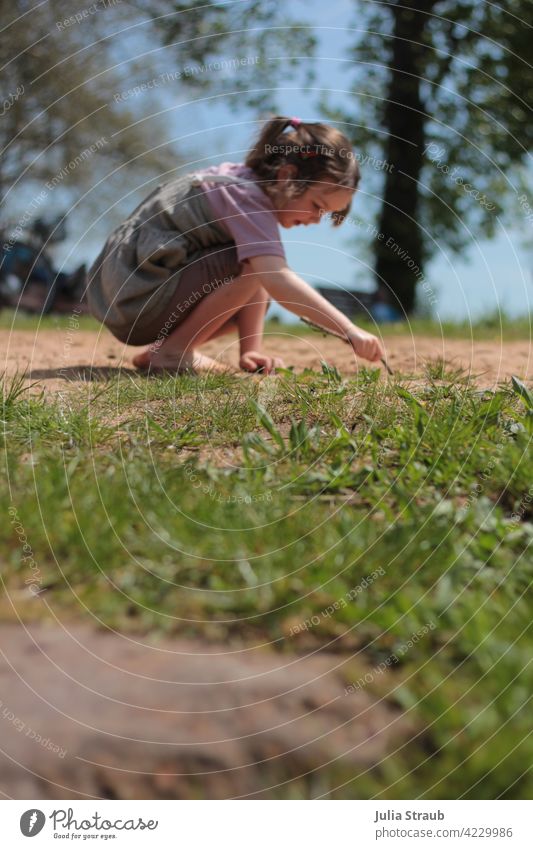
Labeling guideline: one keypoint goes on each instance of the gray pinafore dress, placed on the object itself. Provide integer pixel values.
(149, 266)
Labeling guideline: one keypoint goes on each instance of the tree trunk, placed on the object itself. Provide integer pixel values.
(399, 254)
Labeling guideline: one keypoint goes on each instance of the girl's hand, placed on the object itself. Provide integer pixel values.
(254, 361)
(366, 345)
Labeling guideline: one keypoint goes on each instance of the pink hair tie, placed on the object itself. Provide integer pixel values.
(295, 122)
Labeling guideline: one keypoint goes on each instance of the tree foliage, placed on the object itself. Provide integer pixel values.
(266, 31)
(443, 93)
(115, 70)
(61, 124)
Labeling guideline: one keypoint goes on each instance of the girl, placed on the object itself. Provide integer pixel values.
(202, 255)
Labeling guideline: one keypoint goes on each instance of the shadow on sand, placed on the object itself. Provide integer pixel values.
(83, 373)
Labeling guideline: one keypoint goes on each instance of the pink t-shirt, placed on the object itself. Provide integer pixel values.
(245, 211)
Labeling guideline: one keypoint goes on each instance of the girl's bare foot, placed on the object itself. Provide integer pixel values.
(177, 362)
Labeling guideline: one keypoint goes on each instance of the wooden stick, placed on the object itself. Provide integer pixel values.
(345, 339)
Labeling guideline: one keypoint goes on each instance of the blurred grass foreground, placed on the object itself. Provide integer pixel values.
(388, 524)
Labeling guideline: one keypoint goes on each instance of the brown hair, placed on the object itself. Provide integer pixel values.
(319, 152)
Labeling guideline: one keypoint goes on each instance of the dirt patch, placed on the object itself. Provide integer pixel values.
(92, 714)
(55, 358)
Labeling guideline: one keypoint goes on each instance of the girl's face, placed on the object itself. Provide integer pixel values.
(316, 201)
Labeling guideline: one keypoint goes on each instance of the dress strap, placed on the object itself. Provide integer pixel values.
(198, 179)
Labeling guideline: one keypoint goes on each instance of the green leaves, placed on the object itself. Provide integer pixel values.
(523, 392)
(419, 412)
(331, 372)
(302, 439)
(175, 437)
(266, 420)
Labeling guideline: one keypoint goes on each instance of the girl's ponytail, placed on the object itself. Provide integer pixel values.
(318, 152)
(266, 140)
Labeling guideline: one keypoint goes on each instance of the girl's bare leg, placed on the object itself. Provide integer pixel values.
(178, 351)
(248, 321)
(230, 326)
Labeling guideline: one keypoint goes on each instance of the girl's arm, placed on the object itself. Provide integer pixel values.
(250, 322)
(293, 293)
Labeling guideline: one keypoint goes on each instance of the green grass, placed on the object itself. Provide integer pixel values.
(495, 325)
(19, 320)
(303, 512)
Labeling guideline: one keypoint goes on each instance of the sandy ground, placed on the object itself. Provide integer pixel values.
(131, 718)
(52, 358)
